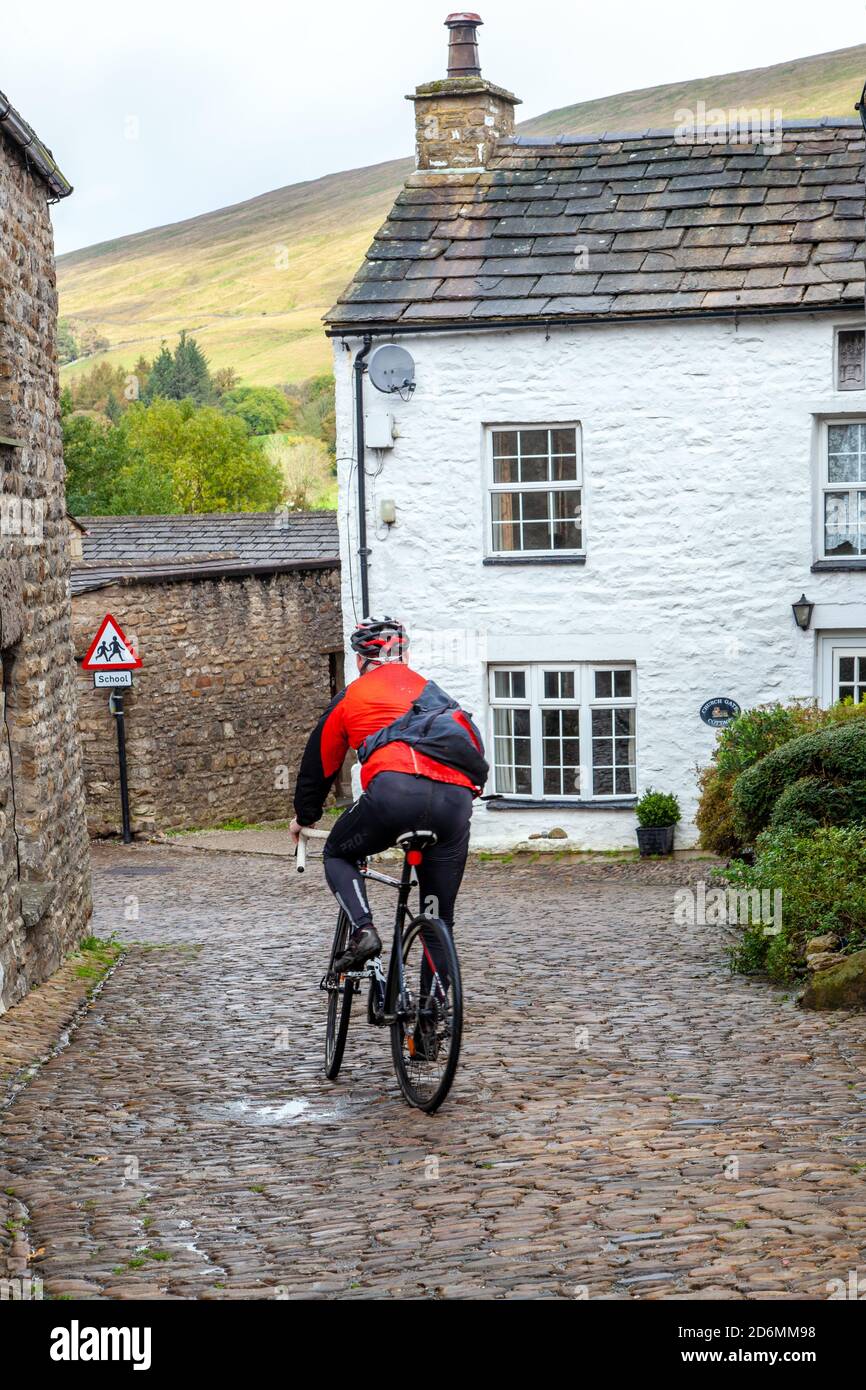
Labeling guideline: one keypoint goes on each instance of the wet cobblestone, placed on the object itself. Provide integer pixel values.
(629, 1121)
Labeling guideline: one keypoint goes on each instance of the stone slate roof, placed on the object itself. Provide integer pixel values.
(668, 228)
(36, 155)
(154, 549)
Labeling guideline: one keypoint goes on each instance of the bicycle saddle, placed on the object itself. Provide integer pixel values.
(417, 839)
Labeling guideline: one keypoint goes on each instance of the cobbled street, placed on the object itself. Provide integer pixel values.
(629, 1120)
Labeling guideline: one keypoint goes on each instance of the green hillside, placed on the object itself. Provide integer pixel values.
(252, 281)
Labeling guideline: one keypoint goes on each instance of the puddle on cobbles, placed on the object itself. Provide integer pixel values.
(287, 1112)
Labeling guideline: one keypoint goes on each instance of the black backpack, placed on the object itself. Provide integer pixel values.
(437, 726)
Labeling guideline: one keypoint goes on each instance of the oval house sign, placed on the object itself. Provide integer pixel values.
(719, 711)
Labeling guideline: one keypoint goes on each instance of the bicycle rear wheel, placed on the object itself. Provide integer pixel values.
(426, 1035)
(340, 991)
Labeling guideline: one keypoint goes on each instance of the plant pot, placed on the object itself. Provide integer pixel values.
(655, 839)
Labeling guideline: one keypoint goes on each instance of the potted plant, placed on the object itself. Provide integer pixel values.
(657, 815)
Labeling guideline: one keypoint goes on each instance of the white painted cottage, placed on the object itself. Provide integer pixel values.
(637, 436)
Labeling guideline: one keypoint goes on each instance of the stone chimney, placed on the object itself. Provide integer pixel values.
(459, 119)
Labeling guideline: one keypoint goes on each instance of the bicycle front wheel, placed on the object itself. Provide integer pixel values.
(340, 991)
(426, 1034)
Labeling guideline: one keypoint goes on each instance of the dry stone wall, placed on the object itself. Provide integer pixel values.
(235, 674)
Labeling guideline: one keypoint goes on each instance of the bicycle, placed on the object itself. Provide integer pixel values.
(420, 998)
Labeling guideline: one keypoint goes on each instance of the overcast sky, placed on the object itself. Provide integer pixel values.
(162, 110)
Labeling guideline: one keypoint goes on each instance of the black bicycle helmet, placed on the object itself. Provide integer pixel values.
(380, 639)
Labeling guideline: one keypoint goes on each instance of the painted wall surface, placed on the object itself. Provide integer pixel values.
(700, 460)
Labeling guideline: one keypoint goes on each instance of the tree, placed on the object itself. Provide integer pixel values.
(312, 409)
(264, 408)
(95, 455)
(305, 466)
(161, 378)
(67, 347)
(214, 464)
(167, 457)
(182, 375)
(191, 376)
(224, 379)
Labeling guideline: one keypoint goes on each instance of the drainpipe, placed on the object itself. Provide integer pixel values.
(860, 108)
(363, 551)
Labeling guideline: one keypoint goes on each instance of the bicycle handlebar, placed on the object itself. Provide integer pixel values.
(301, 847)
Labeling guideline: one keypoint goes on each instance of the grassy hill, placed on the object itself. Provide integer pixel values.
(252, 281)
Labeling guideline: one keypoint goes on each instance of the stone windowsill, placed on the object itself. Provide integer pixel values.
(531, 803)
(855, 562)
(527, 558)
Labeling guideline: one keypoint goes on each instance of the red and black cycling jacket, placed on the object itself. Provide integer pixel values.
(370, 703)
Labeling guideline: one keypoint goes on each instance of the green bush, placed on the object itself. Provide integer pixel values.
(746, 740)
(657, 808)
(817, 779)
(822, 878)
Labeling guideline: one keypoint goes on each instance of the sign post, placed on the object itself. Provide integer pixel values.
(112, 659)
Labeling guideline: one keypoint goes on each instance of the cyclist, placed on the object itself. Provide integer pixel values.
(404, 788)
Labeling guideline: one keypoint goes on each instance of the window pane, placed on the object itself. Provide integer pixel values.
(518, 685)
(844, 468)
(603, 685)
(846, 692)
(559, 685)
(511, 748)
(536, 536)
(533, 442)
(844, 439)
(505, 470)
(563, 468)
(504, 443)
(563, 441)
(623, 722)
(550, 723)
(506, 520)
(509, 685)
(560, 754)
(534, 470)
(624, 781)
(552, 781)
(602, 723)
(846, 668)
(841, 531)
(535, 506)
(567, 519)
(602, 780)
(622, 683)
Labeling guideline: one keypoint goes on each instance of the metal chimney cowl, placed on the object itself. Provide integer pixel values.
(463, 58)
(460, 118)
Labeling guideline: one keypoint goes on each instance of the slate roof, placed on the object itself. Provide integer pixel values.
(668, 228)
(154, 549)
(36, 155)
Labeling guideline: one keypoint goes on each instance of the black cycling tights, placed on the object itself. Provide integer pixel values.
(394, 802)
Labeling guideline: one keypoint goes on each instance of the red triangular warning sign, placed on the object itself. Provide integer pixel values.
(110, 651)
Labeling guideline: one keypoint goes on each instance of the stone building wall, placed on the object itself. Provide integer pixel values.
(44, 871)
(235, 674)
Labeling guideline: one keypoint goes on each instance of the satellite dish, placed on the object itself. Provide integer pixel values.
(392, 369)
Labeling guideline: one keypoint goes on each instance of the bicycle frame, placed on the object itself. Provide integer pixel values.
(393, 987)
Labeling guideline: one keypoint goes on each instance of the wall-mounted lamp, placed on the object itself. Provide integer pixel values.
(802, 610)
